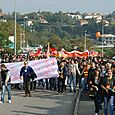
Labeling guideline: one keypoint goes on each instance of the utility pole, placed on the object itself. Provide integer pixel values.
(85, 41)
(102, 40)
(15, 29)
(24, 33)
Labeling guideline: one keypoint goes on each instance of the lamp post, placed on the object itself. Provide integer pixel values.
(15, 29)
(102, 40)
(24, 35)
(85, 41)
(103, 29)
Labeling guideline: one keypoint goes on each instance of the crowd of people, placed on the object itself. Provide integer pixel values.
(96, 74)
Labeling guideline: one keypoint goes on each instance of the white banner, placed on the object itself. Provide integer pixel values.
(44, 68)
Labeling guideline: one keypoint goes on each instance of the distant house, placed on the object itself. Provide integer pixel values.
(108, 39)
(98, 17)
(93, 16)
(88, 17)
(43, 21)
(105, 21)
(29, 23)
(81, 22)
(74, 15)
(2, 14)
(78, 16)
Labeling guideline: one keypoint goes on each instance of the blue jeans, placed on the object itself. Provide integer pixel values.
(108, 102)
(72, 82)
(4, 88)
(84, 83)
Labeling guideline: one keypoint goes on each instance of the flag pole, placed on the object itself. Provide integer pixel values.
(48, 51)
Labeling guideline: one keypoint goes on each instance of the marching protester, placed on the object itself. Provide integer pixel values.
(26, 74)
(91, 72)
(113, 71)
(81, 75)
(108, 85)
(62, 77)
(84, 79)
(77, 73)
(73, 69)
(103, 71)
(6, 83)
(95, 84)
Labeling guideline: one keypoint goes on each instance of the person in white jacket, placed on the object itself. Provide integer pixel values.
(73, 71)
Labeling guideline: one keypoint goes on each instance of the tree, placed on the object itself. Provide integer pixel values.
(55, 41)
(6, 30)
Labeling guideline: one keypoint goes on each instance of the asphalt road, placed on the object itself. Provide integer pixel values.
(41, 103)
(86, 105)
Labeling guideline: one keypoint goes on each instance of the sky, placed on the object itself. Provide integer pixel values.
(26, 6)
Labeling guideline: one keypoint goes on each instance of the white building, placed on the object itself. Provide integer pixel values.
(74, 15)
(29, 23)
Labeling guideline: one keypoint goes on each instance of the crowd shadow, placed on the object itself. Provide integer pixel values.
(64, 103)
(86, 96)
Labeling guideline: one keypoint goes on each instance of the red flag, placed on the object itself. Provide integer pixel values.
(38, 52)
(86, 54)
(53, 51)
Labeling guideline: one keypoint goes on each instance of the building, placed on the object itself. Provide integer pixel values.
(2, 14)
(75, 15)
(93, 16)
(43, 21)
(81, 22)
(108, 40)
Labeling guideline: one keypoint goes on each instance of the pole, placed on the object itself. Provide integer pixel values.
(102, 40)
(85, 41)
(24, 37)
(21, 37)
(15, 30)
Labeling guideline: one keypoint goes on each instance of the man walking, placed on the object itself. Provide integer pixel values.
(26, 73)
(6, 85)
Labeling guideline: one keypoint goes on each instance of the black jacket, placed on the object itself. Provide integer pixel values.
(4, 75)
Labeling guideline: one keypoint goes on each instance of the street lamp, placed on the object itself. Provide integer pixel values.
(103, 27)
(24, 35)
(15, 30)
(102, 39)
(85, 41)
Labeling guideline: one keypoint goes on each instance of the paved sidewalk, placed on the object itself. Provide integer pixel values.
(86, 105)
(41, 103)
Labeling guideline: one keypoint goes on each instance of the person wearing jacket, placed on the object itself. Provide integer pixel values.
(6, 83)
(62, 77)
(96, 86)
(108, 85)
(26, 74)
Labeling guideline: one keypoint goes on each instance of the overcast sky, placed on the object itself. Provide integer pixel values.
(26, 6)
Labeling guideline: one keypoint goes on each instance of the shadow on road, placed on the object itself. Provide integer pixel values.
(44, 103)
